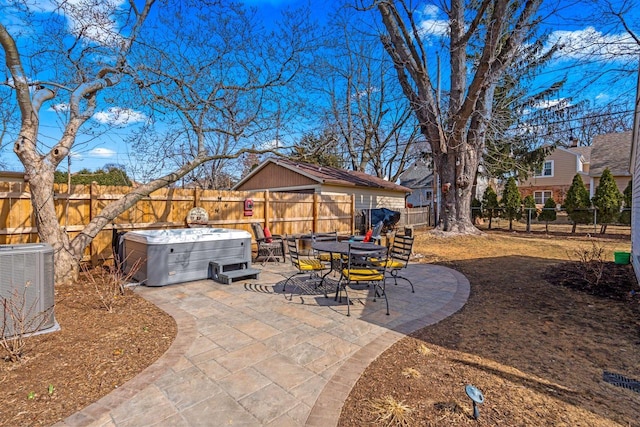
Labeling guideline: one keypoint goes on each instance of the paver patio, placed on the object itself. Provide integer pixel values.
(245, 355)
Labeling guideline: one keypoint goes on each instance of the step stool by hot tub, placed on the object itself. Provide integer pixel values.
(165, 257)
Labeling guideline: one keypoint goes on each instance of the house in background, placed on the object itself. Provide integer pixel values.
(634, 169)
(556, 175)
(284, 175)
(419, 178)
(613, 151)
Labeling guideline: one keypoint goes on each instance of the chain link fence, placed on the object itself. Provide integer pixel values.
(562, 222)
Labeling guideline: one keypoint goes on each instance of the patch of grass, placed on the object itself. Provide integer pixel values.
(391, 412)
(411, 373)
(424, 350)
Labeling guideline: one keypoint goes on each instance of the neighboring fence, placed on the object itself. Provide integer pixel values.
(284, 213)
(413, 217)
(561, 222)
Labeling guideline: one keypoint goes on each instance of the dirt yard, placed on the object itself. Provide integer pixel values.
(535, 337)
(94, 352)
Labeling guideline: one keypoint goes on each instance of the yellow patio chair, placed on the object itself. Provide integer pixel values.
(399, 255)
(304, 266)
(364, 265)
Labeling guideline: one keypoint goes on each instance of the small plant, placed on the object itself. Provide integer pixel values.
(411, 373)
(31, 395)
(424, 350)
(591, 262)
(19, 320)
(51, 389)
(391, 412)
(109, 283)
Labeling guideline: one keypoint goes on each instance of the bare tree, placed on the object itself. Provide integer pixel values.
(198, 70)
(372, 120)
(483, 41)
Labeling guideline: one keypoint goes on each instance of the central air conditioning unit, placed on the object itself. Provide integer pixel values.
(26, 289)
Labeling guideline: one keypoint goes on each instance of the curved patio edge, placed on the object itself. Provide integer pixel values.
(450, 289)
(328, 406)
(98, 412)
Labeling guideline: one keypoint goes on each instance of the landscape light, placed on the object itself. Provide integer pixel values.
(476, 396)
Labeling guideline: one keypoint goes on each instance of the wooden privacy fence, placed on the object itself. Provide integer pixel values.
(283, 213)
(76, 206)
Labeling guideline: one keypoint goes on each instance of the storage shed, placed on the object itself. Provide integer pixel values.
(284, 175)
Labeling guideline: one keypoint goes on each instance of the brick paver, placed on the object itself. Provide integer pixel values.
(246, 355)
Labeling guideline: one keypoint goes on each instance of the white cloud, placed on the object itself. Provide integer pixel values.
(117, 116)
(556, 104)
(101, 152)
(590, 43)
(59, 108)
(430, 25)
(430, 10)
(273, 144)
(92, 20)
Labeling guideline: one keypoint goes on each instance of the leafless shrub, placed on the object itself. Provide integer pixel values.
(21, 319)
(424, 350)
(590, 262)
(109, 283)
(411, 373)
(391, 412)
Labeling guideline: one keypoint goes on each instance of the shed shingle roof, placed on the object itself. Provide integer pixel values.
(328, 175)
(343, 177)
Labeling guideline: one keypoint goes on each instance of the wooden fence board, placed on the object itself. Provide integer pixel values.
(284, 213)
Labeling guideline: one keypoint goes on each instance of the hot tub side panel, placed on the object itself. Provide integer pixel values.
(190, 261)
(161, 264)
(146, 263)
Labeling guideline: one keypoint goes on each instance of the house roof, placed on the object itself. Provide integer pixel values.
(328, 175)
(613, 151)
(584, 151)
(418, 175)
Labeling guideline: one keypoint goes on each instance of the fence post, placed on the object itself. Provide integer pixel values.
(266, 209)
(353, 214)
(93, 207)
(315, 209)
(196, 197)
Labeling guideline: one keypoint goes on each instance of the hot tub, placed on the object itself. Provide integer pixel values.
(165, 257)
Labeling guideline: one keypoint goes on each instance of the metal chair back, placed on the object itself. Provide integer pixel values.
(364, 265)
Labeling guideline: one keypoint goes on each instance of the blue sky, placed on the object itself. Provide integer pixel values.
(581, 60)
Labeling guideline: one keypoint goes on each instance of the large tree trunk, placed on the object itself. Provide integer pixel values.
(66, 260)
(456, 134)
(457, 170)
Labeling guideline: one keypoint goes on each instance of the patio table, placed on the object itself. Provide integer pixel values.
(342, 248)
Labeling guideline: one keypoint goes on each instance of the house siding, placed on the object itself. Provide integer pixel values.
(369, 198)
(621, 183)
(565, 166)
(635, 206)
(274, 177)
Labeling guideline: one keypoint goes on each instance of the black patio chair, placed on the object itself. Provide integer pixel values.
(309, 267)
(364, 266)
(399, 255)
